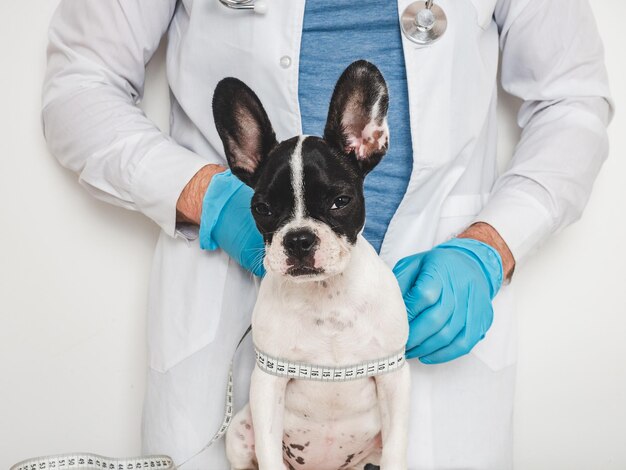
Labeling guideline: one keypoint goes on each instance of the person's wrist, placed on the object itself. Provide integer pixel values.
(189, 204)
(485, 233)
(217, 224)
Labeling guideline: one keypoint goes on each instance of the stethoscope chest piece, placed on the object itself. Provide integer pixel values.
(423, 22)
(257, 6)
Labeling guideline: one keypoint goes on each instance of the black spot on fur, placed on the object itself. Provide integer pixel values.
(287, 451)
(348, 460)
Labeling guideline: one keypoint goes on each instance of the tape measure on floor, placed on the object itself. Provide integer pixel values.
(88, 461)
(162, 462)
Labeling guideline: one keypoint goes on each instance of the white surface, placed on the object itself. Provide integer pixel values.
(72, 357)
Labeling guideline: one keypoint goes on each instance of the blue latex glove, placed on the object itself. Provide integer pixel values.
(227, 223)
(448, 292)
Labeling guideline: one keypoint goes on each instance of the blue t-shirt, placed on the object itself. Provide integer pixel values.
(334, 35)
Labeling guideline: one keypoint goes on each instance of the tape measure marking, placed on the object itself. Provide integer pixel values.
(297, 370)
(89, 461)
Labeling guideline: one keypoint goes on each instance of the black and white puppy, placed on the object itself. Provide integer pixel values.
(327, 297)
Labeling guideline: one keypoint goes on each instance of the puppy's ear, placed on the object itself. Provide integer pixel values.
(244, 128)
(357, 118)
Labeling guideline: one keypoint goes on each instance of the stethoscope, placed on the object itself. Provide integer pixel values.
(258, 6)
(421, 22)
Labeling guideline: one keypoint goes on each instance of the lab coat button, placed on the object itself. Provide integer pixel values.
(285, 61)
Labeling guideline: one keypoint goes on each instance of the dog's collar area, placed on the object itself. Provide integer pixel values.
(298, 370)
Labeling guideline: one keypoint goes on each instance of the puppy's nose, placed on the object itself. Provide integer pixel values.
(299, 243)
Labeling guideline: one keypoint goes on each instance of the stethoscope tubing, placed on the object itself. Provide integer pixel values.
(422, 22)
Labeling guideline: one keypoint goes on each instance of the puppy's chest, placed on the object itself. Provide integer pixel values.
(329, 323)
(333, 328)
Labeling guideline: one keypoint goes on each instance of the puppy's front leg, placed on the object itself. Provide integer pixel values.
(394, 396)
(267, 405)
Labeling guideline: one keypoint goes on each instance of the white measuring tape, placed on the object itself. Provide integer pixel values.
(163, 462)
(266, 363)
(297, 370)
(85, 461)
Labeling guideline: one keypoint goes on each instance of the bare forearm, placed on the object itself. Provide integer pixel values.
(487, 234)
(189, 205)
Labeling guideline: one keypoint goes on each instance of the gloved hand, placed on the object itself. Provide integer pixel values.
(226, 222)
(448, 291)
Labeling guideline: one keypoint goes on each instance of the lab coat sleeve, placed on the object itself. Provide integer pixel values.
(552, 58)
(95, 76)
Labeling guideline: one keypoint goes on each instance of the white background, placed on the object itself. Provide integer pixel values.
(74, 274)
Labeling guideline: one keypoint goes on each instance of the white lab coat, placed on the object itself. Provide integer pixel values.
(200, 302)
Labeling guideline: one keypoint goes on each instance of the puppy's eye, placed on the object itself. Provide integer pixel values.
(263, 209)
(340, 202)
